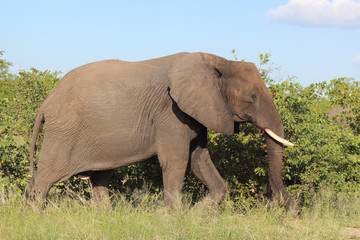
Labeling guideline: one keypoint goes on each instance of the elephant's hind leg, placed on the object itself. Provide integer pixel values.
(204, 169)
(52, 168)
(100, 186)
(45, 179)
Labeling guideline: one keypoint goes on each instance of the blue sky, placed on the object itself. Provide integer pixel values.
(314, 40)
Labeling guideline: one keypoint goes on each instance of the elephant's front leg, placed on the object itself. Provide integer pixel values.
(204, 169)
(173, 161)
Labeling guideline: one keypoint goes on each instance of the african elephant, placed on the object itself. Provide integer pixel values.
(112, 113)
(335, 111)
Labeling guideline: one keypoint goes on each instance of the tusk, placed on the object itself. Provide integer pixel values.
(279, 139)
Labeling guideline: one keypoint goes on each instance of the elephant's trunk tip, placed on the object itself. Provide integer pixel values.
(279, 139)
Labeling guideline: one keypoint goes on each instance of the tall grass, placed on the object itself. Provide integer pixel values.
(143, 216)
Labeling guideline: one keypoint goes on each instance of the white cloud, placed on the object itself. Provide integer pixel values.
(340, 13)
(356, 60)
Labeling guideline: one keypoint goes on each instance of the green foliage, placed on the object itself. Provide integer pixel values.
(344, 92)
(241, 160)
(147, 173)
(20, 97)
(4, 68)
(326, 154)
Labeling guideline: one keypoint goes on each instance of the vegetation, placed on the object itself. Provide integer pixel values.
(144, 217)
(326, 156)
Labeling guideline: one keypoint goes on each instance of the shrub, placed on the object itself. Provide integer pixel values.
(20, 97)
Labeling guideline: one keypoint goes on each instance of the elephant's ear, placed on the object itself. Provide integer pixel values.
(195, 83)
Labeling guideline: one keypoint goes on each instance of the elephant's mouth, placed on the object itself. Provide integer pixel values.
(239, 118)
(278, 139)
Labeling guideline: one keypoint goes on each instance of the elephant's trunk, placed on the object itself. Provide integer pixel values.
(275, 153)
(269, 119)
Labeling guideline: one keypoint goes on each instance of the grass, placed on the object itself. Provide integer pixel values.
(143, 216)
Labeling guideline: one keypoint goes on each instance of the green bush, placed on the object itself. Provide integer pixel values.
(20, 97)
(326, 154)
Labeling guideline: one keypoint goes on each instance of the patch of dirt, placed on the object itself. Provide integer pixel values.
(351, 233)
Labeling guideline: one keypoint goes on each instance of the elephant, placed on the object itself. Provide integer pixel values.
(112, 113)
(336, 111)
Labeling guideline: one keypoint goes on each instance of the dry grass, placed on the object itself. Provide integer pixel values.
(145, 217)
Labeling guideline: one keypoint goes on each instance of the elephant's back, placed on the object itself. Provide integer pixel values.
(109, 95)
(124, 75)
(111, 88)
(92, 73)
(96, 80)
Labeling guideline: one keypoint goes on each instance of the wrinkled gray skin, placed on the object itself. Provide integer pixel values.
(110, 114)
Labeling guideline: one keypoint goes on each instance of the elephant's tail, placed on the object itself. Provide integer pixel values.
(38, 121)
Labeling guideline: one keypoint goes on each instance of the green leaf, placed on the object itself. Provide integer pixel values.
(19, 141)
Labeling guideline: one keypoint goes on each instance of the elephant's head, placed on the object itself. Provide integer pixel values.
(217, 92)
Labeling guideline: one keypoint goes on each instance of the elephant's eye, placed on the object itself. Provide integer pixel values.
(254, 97)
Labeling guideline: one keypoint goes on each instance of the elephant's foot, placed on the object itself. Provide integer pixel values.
(100, 196)
(100, 187)
(173, 200)
(206, 203)
(36, 200)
